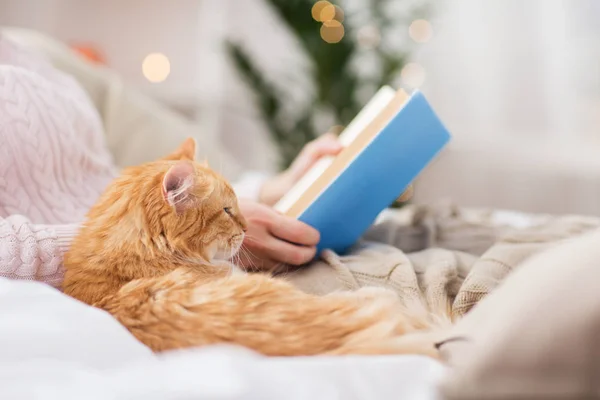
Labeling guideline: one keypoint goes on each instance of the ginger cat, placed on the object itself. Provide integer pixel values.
(153, 253)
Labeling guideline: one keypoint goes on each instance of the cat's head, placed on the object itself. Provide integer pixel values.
(173, 207)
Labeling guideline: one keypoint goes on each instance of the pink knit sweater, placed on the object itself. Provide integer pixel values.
(54, 164)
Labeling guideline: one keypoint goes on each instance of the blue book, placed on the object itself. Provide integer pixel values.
(386, 146)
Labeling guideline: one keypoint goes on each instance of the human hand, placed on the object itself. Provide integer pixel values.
(273, 239)
(276, 187)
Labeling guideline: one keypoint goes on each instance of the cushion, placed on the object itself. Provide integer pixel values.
(536, 336)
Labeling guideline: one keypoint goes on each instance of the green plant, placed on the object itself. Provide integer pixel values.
(338, 84)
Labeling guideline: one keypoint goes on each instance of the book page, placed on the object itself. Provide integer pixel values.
(341, 162)
(375, 106)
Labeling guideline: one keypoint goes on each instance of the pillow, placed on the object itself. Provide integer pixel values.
(536, 336)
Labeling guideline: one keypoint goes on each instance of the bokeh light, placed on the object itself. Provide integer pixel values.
(318, 8)
(332, 31)
(368, 37)
(413, 75)
(156, 67)
(420, 31)
(328, 13)
(339, 14)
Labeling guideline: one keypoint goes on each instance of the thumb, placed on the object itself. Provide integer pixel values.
(326, 145)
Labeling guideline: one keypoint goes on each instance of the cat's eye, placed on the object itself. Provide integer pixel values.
(227, 210)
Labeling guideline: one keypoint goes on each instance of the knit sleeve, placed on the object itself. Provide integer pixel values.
(33, 252)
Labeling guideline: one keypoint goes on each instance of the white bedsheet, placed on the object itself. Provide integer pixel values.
(53, 347)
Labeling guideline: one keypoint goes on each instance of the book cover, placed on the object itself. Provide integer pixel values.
(389, 143)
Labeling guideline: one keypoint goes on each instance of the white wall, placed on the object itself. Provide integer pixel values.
(517, 84)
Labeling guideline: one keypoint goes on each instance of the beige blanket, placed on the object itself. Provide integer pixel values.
(452, 256)
(535, 333)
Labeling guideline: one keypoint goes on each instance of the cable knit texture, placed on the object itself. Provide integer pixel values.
(53, 161)
(33, 252)
(54, 164)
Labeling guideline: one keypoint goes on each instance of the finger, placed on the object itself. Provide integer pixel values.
(293, 231)
(328, 140)
(287, 253)
(407, 195)
(327, 136)
(325, 146)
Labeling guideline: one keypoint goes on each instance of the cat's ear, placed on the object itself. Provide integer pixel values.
(182, 188)
(187, 151)
(178, 184)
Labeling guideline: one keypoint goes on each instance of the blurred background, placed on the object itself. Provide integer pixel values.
(517, 82)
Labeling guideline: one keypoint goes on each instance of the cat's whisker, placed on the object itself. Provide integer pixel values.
(248, 254)
(235, 251)
(234, 263)
(279, 270)
(229, 249)
(241, 256)
(248, 236)
(234, 256)
(252, 239)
